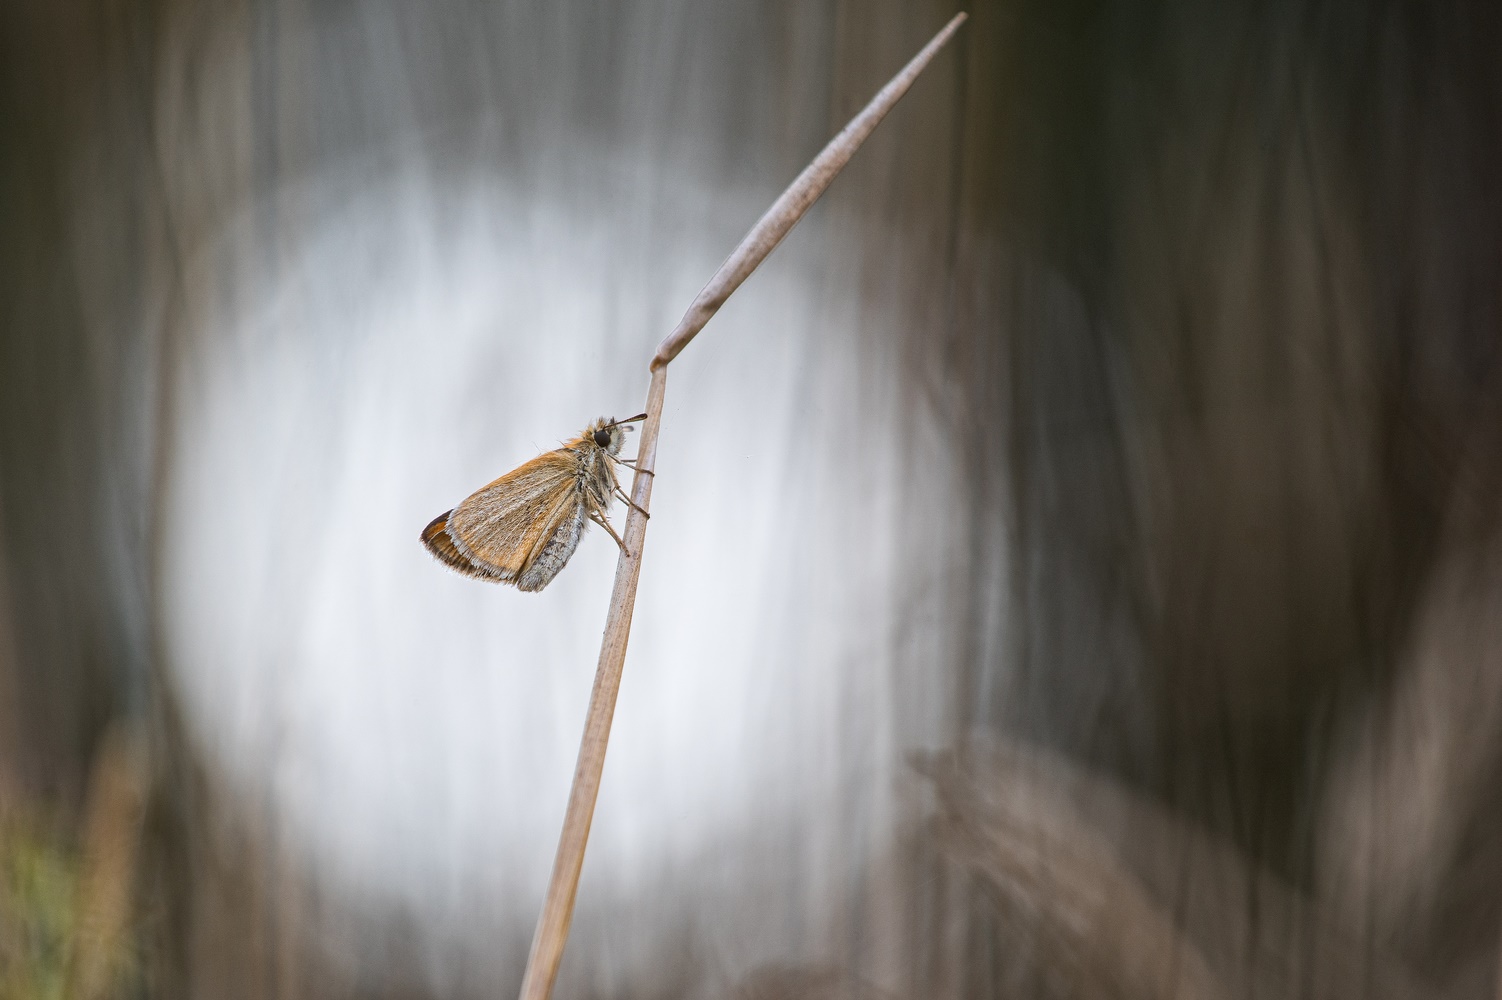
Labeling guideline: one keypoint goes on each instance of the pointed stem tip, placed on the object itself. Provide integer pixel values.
(796, 200)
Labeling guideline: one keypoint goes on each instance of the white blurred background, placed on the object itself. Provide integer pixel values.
(414, 732)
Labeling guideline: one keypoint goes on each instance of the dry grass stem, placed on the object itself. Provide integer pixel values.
(558, 907)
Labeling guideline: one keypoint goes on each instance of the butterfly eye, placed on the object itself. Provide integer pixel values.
(602, 438)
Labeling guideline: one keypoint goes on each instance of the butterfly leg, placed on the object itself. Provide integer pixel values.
(604, 523)
(621, 493)
(630, 463)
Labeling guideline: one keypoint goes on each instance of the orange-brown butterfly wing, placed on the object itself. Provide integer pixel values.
(500, 529)
(436, 537)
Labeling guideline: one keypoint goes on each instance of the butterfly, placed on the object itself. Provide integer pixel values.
(522, 528)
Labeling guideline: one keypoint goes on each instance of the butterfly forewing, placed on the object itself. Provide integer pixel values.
(503, 526)
(436, 537)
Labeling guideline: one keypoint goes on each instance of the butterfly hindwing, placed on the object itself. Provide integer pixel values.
(556, 542)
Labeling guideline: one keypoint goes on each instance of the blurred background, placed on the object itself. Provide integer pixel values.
(1076, 563)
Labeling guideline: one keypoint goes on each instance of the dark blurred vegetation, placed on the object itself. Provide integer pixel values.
(36, 899)
(68, 920)
(1208, 295)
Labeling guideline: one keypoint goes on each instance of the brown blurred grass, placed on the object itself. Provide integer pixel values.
(38, 883)
(66, 916)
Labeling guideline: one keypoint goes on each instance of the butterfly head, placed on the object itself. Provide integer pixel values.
(610, 434)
